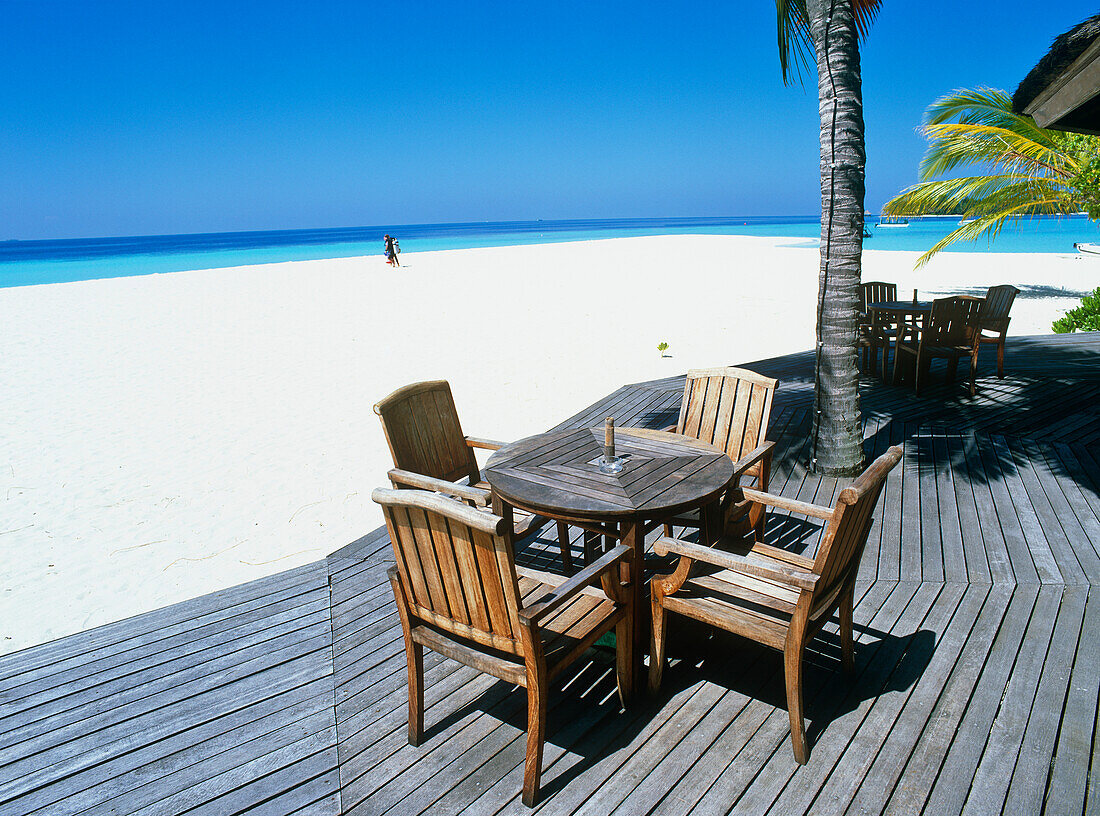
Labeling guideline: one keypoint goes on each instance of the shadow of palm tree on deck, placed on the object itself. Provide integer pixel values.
(1050, 394)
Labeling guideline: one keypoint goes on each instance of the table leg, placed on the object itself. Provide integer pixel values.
(711, 523)
(633, 536)
(504, 510)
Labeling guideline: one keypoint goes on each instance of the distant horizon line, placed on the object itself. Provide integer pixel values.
(663, 220)
(413, 225)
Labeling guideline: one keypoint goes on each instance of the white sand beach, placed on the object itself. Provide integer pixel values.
(170, 435)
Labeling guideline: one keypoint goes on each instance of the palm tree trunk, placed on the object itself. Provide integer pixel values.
(837, 447)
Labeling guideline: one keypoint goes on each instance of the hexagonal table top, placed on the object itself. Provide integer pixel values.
(558, 474)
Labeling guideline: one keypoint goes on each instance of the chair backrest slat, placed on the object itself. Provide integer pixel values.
(998, 303)
(728, 408)
(455, 566)
(953, 322)
(424, 434)
(876, 292)
(846, 536)
(446, 553)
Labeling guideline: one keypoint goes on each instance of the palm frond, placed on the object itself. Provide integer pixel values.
(984, 106)
(796, 51)
(1025, 170)
(978, 196)
(796, 48)
(955, 145)
(989, 226)
(865, 11)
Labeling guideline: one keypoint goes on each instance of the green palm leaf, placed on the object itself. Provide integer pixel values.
(1031, 171)
(796, 50)
(956, 145)
(984, 106)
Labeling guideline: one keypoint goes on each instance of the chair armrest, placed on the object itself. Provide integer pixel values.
(484, 444)
(744, 564)
(793, 505)
(746, 462)
(533, 614)
(482, 498)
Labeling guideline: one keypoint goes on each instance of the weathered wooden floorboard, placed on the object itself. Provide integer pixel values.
(877, 698)
(96, 712)
(142, 631)
(1029, 778)
(771, 742)
(1077, 735)
(944, 651)
(950, 703)
(994, 772)
(47, 696)
(968, 743)
(176, 753)
(783, 786)
(976, 687)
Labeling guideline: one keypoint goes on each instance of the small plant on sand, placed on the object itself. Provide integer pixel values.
(1086, 317)
(662, 347)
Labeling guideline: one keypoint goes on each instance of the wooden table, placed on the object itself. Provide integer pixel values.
(895, 312)
(556, 475)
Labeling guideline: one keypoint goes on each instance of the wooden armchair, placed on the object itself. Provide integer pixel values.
(874, 333)
(730, 409)
(459, 592)
(951, 331)
(993, 318)
(773, 596)
(430, 452)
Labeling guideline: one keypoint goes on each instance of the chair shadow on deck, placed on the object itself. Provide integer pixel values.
(884, 663)
(660, 419)
(585, 723)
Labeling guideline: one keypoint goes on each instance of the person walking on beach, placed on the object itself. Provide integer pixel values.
(391, 251)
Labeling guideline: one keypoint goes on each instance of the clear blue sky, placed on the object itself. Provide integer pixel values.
(144, 118)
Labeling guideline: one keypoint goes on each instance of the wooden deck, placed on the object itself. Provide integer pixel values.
(977, 658)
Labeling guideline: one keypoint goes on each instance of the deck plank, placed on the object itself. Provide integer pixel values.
(977, 676)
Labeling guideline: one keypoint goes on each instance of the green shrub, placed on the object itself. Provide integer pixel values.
(1084, 318)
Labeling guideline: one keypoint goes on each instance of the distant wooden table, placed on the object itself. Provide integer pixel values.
(893, 312)
(556, 475)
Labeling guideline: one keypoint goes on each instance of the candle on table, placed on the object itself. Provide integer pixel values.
(609, 438)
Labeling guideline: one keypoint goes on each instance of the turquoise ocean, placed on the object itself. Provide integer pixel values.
(24, 263)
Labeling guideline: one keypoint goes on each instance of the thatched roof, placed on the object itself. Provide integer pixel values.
(1064, 51)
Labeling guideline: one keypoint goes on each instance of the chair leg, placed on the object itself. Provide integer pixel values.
(624, 657)
(415, 654)
(847, 656)
(1001, 357)
(591, 543)
(918, 367)
(792, 657)
(657, 645)
(973, 371)
(563, 542)
(758, 516)
(537, 692)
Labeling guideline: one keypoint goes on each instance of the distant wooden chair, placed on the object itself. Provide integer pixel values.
(430, 452)
(874, 332)
(951, 331)
(773, 596)
(459, 592)
(994, 318)
(730, 409)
